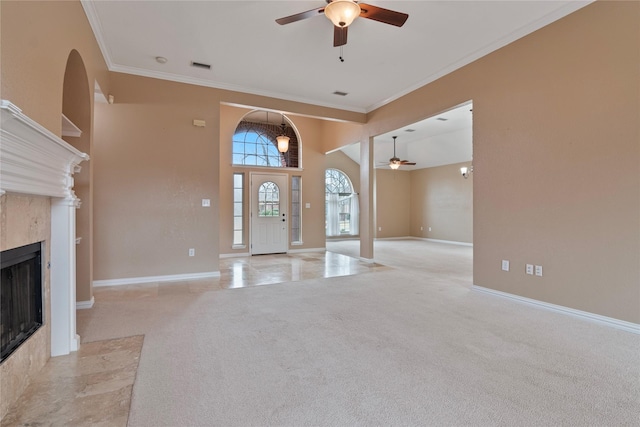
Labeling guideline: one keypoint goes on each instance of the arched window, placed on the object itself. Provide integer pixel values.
(254, 142)
(269, 199)
(341, 204)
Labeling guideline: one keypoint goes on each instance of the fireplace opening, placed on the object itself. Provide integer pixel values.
(20, 296)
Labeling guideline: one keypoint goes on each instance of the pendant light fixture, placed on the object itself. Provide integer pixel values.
(283, 139)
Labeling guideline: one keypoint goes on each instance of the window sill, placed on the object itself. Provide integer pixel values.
(238, 246)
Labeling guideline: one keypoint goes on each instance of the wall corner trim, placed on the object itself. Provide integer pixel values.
(151, 279)
(585, 315)
(83, 305)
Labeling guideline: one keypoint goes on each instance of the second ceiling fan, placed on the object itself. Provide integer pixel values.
(343, 12)
(395, 162)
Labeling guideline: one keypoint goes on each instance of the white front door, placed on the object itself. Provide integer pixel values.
(269, 213)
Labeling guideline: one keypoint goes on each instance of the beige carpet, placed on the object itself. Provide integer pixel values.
(394, 348)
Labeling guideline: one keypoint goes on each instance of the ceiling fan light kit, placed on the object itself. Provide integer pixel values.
(342, 12)
(395, 162)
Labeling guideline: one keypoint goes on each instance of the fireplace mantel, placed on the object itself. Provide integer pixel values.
(35, 161)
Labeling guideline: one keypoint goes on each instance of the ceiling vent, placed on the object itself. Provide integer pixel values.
(340, 93)
(442, 119)
(200, 65)
(409, 130)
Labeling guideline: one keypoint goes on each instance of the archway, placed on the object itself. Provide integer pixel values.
(76, 130)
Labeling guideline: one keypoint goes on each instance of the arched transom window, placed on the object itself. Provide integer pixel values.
(255, 144)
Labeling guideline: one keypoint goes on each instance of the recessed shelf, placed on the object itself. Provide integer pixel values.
(68, 128)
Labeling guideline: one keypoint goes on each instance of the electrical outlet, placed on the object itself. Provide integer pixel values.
(505, 265)
(529, 269)
(379, 228)
(429, 228)
(421, 228)
(192, 252)
(206, 203)
(539, 270)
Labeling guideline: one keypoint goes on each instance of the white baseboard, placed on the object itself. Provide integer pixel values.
(234, 255)
(300, 251)
(83, 305)
(394, 238)
(609, 321)
(450, 242)
(151, 279)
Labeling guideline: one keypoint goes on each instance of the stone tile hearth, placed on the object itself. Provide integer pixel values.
(90, 387)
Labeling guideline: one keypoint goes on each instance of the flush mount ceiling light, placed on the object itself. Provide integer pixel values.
(283, 139)
(161, 60)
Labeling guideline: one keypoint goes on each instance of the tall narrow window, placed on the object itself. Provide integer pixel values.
(296, 209)
(341, 208)
(238, 209)
(269, 199)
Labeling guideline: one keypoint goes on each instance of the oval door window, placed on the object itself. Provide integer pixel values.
(268, 199)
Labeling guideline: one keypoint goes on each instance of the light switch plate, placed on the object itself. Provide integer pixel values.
(505, 265)
(529, 269)
(206, 203)
(539, 270)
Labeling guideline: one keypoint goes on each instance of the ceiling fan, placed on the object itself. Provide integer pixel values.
(343, 12)
(395, 162)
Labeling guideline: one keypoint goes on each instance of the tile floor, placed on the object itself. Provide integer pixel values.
(90, 387)
(93, 386)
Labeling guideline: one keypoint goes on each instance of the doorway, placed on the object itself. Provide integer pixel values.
(269, 213)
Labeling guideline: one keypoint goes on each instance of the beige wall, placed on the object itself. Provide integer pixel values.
(556, 158)
(393, 203)
(311, 171)
(443, 200)
(26, 220)
(39, 40)
(152, 168)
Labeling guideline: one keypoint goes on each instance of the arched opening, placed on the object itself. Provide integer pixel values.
(76, 130)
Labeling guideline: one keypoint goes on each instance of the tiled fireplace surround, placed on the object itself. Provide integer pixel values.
(37, 204)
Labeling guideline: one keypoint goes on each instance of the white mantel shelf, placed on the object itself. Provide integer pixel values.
(33, 160)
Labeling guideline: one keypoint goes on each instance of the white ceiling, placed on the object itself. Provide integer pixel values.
(249, 52)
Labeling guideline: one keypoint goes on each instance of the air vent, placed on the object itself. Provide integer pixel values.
(340, 93)
(409, 130)
(200, 65)
(442, 119)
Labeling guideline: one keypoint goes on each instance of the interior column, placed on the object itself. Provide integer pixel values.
(366, 200)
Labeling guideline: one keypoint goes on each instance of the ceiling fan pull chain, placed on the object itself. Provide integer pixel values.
(341, 57)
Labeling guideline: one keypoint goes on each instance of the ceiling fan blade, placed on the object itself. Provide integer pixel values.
(300, 16)
(339, 36)
(405, 162)
(386, 16)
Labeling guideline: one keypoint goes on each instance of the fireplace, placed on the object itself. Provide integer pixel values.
(20, 296)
